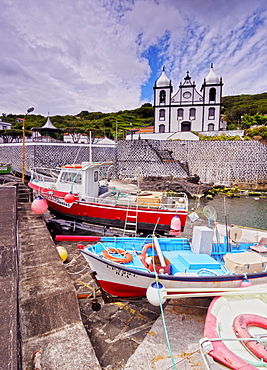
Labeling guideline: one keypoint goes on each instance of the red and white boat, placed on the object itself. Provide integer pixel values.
(76, 193)
(236, 330)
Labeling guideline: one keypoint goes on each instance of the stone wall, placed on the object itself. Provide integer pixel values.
(148, 157)
(52, 155)
(220, 162)
(223, 162)
(227, 133)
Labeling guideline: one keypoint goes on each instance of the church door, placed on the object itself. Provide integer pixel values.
(186, 126)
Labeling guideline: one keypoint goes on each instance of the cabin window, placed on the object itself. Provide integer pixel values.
(95, 176)
(162, 96)
(162, 114)
(71, 177)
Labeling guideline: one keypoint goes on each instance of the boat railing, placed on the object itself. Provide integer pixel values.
(178, 203)
(43, 175)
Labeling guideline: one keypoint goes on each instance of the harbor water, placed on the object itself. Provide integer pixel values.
(248, 211)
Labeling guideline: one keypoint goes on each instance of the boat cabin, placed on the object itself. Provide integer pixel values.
(82, 179)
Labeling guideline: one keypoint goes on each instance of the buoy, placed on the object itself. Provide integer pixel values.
(245, 282)
(155, 293)
(69, 198)
(175, 225)
(62, 253)
(39, 205)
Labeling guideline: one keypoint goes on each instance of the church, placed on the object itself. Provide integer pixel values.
(187, 109)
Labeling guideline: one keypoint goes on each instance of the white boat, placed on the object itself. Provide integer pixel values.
(235, 334)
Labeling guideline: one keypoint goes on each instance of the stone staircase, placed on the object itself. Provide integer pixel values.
(24, 193)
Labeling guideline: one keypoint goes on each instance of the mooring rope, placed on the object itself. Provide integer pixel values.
(163, 318)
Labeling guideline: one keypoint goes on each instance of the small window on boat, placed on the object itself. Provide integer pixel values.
(78, 179)
(95, 176)
(71, 177)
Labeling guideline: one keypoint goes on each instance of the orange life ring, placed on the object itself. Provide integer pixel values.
(107, 254)
(240, 326)
(143, 255)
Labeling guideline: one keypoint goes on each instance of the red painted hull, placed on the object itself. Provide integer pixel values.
(106, 214)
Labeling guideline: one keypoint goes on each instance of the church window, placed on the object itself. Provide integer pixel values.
(210, 127)
(192, 113)
(162, 96)
(211, 113)
(212, 94)
(161, 128)
(180, 113)
(162, 114)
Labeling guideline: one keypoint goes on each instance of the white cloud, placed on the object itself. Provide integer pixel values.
(66, 56)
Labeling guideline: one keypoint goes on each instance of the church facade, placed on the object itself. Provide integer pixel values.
(187, 109)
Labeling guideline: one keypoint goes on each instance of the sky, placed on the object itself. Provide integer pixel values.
(66, 56)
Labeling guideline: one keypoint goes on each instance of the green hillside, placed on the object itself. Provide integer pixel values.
(235, 107)
(240, 111)
(100, 124)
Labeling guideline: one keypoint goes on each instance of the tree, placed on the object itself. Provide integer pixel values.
(11, 135)
(75, 133)
(95, 133)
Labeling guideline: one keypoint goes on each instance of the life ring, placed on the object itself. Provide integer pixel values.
(240, 326)
(107, 254)
(143, 255)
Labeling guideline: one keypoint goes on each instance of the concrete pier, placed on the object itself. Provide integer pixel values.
(40, 318)
(9, 319)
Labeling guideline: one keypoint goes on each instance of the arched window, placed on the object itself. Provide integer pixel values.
(162, 96)
(211, 113)
(210, 127)
(212, 94)
(192, 113)
(180, 113)
(162, 114)
(161, 128)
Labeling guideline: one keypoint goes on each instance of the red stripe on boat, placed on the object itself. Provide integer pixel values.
(122, 290)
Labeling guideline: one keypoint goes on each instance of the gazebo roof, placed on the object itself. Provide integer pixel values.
(47, 127)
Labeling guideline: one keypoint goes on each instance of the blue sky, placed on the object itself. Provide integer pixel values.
(67, 56)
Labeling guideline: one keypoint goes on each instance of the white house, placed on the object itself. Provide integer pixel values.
(187, 109)
(5, 125)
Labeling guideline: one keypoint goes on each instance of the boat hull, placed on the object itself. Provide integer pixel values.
(108, 215)
(121, 281)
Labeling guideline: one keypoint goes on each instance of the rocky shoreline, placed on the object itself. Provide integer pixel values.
(190, 185)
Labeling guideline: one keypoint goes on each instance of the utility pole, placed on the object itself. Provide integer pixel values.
(31, 109)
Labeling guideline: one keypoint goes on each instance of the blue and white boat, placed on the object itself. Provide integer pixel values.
(127, 266)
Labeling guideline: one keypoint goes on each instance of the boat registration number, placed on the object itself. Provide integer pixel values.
(119, 272)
